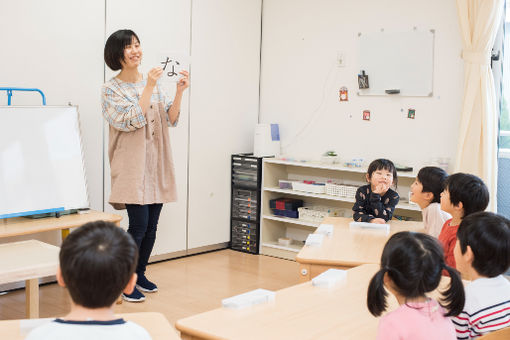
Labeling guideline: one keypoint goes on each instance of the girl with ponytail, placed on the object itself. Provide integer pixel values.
(411, 266)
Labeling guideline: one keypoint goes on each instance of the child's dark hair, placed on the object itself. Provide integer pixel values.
(488, 235)
(383, 164)
(114, 48)
(432, 179)
(97, 261)
(414, 262)
(468, 189)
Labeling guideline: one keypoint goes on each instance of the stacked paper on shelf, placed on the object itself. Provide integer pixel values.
(329, 278)
(251, 298)
(367, 225)
(325, 229)
(314, 240)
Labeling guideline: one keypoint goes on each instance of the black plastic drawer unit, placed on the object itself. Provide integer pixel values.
(245, 208)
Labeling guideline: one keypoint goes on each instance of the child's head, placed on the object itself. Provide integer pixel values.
(411, 265)
(97, 262)
(428, 185)
(464, 193)
(483, 244)
(382, 170)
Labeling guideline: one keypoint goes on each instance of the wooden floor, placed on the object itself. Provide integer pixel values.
(187, 286)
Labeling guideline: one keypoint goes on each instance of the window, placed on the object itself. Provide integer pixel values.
(501, 71)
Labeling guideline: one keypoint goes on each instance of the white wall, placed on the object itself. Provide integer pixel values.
(57, 45)
(224, 108)
(300, 80)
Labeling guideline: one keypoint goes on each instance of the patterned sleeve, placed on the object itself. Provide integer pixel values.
(462, 325)
(167, 102)
(359, 210)
(389, 204)
(124, 114)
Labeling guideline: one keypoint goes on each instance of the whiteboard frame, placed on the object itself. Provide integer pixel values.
(391, 63)
(86, 203)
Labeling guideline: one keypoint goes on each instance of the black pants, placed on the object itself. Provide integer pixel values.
(143, 223)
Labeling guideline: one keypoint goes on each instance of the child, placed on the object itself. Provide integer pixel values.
(376, 202)
(411, 265)
(464, 194)
(482, 254)
(97, 263)
(426, 192)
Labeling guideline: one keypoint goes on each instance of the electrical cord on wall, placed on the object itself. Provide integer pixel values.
(316, 113)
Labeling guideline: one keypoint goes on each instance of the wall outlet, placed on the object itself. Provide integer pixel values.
(340, 59)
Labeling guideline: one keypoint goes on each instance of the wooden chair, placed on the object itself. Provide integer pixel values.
(502, 334)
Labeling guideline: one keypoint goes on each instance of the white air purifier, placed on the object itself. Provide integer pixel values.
(267, 140)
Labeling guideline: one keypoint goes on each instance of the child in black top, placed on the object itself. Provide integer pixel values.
(375, 202)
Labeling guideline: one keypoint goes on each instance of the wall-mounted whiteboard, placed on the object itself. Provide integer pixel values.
(41, 162)
(398, 60)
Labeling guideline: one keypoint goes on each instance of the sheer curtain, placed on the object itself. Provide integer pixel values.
(478, 135)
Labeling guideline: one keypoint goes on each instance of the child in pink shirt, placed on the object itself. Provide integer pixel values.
(411, 266)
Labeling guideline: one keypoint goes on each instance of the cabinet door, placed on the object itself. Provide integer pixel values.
(162, 26)
(224, 103)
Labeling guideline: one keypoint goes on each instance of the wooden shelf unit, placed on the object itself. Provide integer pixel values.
(273, 227)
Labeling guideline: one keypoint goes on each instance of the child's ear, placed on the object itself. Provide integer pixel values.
(130, 287)
(367, 177)
(428, 196)
(60, 278)
(460, 207)
(469, 256)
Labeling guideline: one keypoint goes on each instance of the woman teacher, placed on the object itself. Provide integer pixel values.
(142, 173)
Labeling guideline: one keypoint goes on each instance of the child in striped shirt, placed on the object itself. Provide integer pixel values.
(482, 254)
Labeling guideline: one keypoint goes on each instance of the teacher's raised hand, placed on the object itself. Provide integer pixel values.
(153, 75)
(183, 82)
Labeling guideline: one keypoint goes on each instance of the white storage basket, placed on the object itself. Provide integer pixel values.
(342, 190)
(317, 213)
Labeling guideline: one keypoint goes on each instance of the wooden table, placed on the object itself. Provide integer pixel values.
(22, 225)
(301, 312)
(155, 323)
(28, 261)
(348, 247)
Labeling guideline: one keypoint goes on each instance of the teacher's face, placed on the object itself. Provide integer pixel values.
(132, 55)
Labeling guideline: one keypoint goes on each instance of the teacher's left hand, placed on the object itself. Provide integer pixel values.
(183, 82)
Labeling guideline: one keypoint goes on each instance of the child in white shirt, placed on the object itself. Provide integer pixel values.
(426, 192)
(97, 264)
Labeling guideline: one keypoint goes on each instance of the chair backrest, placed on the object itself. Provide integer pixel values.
(502, 334)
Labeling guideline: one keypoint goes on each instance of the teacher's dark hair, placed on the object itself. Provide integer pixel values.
(114, 48)
(414, 262)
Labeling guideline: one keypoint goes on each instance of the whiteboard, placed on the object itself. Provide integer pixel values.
(397, 60)
(41, 161)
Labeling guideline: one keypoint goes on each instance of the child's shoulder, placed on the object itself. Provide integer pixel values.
(59, 329)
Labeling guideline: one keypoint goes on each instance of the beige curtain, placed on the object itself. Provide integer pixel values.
(477, 147)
